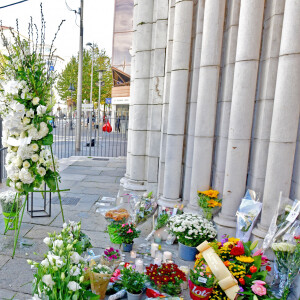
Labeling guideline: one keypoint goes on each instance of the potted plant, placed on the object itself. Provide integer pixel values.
(111, 258)
(128, 233)
(191, 230)
(167, 278)
(201, 281)
(209, 202)
(100, 276)
(11, 204)
(133, 282)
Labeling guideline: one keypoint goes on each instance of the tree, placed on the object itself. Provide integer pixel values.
(70, 73)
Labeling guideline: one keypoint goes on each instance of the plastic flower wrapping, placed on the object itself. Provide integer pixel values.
(247, 214)
(209, 202)
(284, 238)
(249, 269)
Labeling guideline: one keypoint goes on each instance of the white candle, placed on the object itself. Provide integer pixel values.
(157, 261)
(139, 265)
(169, 261)
(159, 255)
(186, 271)
(132, 254)
(154, 248)
(167, 256)
(157, 238)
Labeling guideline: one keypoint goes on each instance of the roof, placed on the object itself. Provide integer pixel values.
(120, 78)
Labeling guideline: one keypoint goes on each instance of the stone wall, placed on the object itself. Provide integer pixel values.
(216, 102)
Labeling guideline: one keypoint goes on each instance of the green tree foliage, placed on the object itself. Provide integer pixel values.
(69, 75)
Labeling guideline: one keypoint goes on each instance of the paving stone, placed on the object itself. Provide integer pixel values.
(118, 172)
(91, 163)
(99, 239)
(107, 179)
(55, 210)
(9, 295)
(24, 228)
(73, 177)
(82, 170)
(15, 274)
(3, 260)
(40, 232)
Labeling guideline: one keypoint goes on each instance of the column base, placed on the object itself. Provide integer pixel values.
(133, 185)
(190, 208)
(260, 231)
(166, 202)
(225, 225)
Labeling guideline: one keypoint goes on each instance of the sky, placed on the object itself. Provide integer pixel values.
(98, 16)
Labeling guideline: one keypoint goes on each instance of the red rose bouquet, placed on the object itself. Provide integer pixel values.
(166, 278)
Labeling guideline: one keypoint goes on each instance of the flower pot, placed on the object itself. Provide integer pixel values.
(10, 220)
(134, 296)
(187, 253)
(99, 283)
(199, 292)
(127, 247)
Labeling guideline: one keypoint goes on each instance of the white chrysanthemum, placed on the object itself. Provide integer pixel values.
(25, 176)
(41, 171)
(30, 113)
(35, 101)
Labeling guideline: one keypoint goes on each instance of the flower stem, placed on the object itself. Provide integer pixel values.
(7, 224)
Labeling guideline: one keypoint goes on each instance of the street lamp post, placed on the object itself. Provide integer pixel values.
(91, 98)
(99, 98)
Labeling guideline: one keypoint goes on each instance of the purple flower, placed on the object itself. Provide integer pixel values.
(241, 290)
(106, 252)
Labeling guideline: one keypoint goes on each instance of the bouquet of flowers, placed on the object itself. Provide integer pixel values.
(162, 219)
(166, 278)
(100, 276)
(247, 214)
(202, 281)
(128, 233)
(287, 264)
(191, 230)
(249, 269)
(10, 202)
(111, 257)
(208, 200)
(61, 274)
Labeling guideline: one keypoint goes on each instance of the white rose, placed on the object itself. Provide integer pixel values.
(41, 171)
(19, 185)
(26, 164)
(17, 162)
(26, 121)
(45, 263)
(47, 241)
(35, 157)
(41, 110)
(35, 147)
(75, 258)
(73, 286)
(47, 279)
(58, 243)
(35, 101)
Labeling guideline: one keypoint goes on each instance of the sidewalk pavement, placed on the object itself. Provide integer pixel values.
(89, 179)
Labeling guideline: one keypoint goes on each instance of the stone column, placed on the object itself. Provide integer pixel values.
(243, 97)
(207, 98)
(285, 117)
(140, 96)
(193, 101)
(178, 97)
(156, 89)
(225, 93)
(265, 95)
(166, 96)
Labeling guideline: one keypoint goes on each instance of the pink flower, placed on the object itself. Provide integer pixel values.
(260, 282)
(201, 273)
(123, 225)
(129, 231)
(264, 259)
(259, 289)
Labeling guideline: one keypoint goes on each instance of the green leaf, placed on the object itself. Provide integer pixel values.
(48, 140)
(50, 180)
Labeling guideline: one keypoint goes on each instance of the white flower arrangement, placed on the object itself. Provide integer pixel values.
(10, 202)
(191, 230)
(101, 269)
(284, 247)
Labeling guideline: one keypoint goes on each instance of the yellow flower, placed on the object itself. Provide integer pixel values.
(234, 240)
(208, 270)
(245, 259)
(210, 193)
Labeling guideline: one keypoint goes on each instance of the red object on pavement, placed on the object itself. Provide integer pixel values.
(107, 127)
(199, 292)
(150, 293)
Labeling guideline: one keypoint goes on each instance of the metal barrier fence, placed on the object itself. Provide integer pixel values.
(104, 143)
(3, 152)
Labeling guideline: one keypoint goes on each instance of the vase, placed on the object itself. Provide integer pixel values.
(187, 253)
(10, 220)
(127, 247)
(134, 296)
(99, 283)
(199, 292)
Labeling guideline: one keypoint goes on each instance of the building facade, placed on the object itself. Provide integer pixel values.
(215, 102)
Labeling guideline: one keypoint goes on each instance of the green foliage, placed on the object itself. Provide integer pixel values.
(70, 75)
(133, 281)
